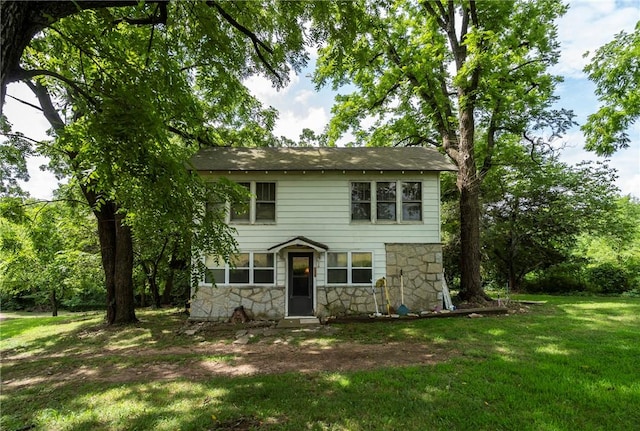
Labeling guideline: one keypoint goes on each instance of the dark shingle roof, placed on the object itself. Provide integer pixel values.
(319, 159)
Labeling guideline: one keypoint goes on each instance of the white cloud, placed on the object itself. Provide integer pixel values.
(303, 96)
(291, 123)
(264, 90)
(587, 26)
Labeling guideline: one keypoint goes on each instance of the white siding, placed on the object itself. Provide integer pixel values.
(317, 206)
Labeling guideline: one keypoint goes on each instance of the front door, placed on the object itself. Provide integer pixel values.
(300, 288)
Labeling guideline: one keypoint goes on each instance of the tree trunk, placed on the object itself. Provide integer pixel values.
(107, 237)
(123, 276)
(468, 183)
(155, 291)
(168, 286)
(54, 303)
(470, 281)
(143, 295)
(116, 248)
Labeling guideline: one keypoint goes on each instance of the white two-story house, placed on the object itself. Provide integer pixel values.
(323, 225)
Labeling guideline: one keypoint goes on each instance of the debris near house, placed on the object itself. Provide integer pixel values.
(464, 312)
(239, 315)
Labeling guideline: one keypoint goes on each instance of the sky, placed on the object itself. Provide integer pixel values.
(587, 25)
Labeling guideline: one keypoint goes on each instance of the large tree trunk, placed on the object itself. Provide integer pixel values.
(470, 280)
(468, 183)
(116, 249)
(107, 237)
(124, 300)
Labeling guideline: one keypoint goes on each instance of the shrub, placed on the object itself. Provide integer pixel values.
(561, 278)
(608, 278)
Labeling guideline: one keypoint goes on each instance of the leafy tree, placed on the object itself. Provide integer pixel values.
(615, 69)
(535, 207)
(132, 92)
(443, 73)
(617, 246)
(49, 254)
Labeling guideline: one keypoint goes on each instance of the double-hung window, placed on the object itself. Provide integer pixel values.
(244, 269)
(261, 208)
(386, 201)
(412, 201)
(349, 267)
(265, 201)
(241, 212)
(361, 201)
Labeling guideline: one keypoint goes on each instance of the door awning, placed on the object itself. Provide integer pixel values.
(300, 241)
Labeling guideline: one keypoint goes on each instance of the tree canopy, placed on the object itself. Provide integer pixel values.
(132, 91)
(535, 207)
(615, 69)
(443, 74)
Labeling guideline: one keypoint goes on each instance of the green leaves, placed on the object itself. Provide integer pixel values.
(615, 69)
(535, 208)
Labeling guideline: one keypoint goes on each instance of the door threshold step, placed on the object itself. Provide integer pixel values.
(298, 322)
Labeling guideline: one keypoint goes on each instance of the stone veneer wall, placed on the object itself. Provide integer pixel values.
(218, 303)
(422, 270)
(421, 265)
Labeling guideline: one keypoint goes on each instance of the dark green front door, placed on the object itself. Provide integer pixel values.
(300, 287)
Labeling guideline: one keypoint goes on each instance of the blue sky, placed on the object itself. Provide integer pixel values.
(588, 25)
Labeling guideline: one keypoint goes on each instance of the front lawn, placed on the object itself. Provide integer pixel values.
(569, 364)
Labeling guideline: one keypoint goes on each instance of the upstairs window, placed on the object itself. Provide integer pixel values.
(412, 201)
(265, 201)
(393, 201)
(261, 208)
(241, 211)
(349, 267)
(361, 201)
(386, 200)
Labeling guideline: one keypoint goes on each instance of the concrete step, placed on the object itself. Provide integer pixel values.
(298, 322)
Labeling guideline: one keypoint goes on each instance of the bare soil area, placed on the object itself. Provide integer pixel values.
(236, 352)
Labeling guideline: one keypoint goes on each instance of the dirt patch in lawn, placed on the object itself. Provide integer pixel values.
(235, 352)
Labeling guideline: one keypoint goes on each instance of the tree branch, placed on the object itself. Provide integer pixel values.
(25, 102)
(190, 136)
(50, 113)
(416, 140)
(150, 20)
(381, 100)
(28, 74)
(255, 40)
(491, 141)
(439, 16)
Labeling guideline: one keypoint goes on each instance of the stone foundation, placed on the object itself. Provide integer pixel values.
(342, 301)
(218, 303)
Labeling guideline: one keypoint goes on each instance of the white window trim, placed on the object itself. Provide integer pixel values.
(253, 207)
(251, 267)
(374, 202)
(349, 268)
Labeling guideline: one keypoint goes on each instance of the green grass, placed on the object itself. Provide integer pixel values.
(570, 364)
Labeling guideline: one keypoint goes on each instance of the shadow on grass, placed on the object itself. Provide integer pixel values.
(460, 395)
(548, 369)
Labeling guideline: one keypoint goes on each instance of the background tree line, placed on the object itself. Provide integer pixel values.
(132, 89)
